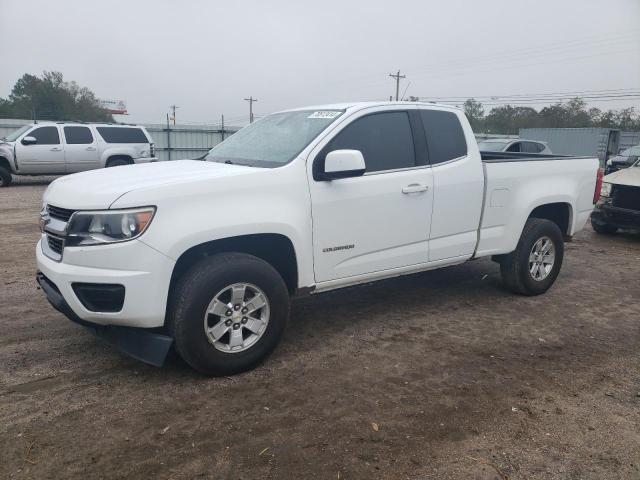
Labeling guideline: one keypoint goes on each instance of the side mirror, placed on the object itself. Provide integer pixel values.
(343, 164)
(29, 141)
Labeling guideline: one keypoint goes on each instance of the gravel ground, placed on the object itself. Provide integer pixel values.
(440, 375)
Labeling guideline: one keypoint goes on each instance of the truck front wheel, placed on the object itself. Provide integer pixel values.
(5, 177)
(229, 312)
(534, 265)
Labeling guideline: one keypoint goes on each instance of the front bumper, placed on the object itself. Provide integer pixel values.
(144, 272)
(144, 345)
(606, 214)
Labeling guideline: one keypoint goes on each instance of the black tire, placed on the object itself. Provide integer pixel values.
(197, 288)
(117, 162)
(5, 177)
(515, 268)
(604, 228)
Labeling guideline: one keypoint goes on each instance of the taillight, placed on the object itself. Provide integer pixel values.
(596, 193)
(152, 150)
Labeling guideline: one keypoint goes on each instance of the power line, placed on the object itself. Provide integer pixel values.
(548, 51)
(550, 94)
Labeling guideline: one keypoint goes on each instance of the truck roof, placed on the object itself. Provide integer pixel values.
(78, 122)
(361, 105)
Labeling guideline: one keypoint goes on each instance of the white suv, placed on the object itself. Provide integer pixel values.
(59, 148)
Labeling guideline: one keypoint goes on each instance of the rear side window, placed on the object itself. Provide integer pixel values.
(78, 135)
(514, 147)
(45, 135)
(122, 135)
(529, 147)
(445, 138)
(384, 139)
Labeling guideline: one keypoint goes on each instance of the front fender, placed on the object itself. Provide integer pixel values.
(271, 201)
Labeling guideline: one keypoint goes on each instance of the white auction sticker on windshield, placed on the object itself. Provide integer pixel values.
(325, 114)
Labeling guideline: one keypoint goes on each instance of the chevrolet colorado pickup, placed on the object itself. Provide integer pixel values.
(206, 255)
(48, 148)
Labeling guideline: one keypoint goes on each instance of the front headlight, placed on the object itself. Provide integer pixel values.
(605, 191)
(107, 226)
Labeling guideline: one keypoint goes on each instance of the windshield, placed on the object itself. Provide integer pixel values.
(631, 152)
(492, 146)
(13, 136)
(274, 140)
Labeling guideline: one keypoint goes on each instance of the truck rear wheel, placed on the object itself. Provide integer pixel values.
(5, 177)
(229, 313)
(534, 265)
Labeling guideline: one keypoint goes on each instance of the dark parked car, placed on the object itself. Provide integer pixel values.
(624, 159)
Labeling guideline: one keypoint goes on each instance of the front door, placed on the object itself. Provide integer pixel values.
(378, 221)
(46, 156)
(80, 150)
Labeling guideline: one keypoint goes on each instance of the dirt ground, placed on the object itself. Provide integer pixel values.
(440, 375)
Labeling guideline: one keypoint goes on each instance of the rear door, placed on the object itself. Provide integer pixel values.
(44, 157)
(81, 149)
(378, 221)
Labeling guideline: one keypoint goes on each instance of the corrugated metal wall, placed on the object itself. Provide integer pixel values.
(177, 142)
(629, 139)
(185, 141)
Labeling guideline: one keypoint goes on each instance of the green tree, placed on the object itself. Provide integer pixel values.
(475, 113)
(51, 98)
(508, 119)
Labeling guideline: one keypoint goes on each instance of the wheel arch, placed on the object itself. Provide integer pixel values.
(560, 213)
(274, 248)
(118, 156)
(4, 162)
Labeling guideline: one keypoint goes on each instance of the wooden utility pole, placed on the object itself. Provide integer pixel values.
(173, 109)
(397, 76)
(251, 100)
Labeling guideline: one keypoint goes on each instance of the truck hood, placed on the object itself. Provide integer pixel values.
(98, 189)
(628, 176)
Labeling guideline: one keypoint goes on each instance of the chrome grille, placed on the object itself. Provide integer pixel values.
(624, 196)
(60, 213)
(55, 244)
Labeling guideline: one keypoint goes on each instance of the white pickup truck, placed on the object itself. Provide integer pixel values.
(49, 148)
(205, 255)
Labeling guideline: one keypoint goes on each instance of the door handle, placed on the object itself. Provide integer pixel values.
(91, 149)
(415, 188)
(56, 149)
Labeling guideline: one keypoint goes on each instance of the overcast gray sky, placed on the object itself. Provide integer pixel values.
(207, 56)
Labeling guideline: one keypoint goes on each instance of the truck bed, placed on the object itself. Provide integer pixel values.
(517, 183)
(498, 157)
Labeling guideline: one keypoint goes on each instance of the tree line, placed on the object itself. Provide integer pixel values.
(508, 119)
(50, 97)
